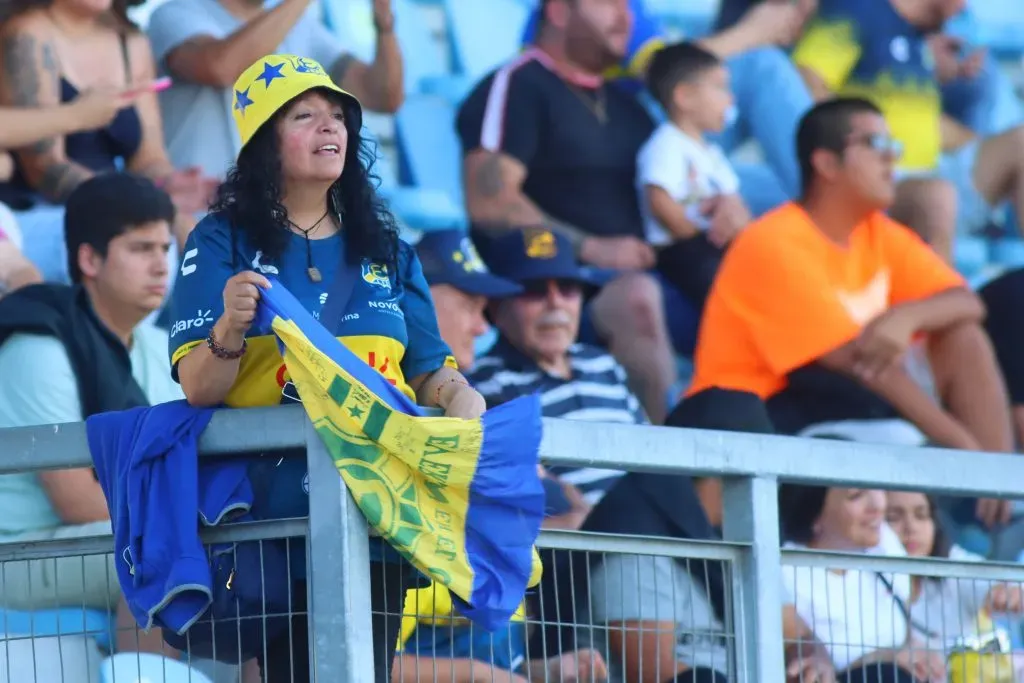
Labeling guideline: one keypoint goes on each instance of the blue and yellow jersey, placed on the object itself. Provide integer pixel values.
(863, 48)
(431, 628)
(390, 321)
(646, 39)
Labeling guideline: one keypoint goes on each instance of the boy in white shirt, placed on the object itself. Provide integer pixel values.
(689, 193)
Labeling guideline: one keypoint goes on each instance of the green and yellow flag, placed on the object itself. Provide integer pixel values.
(460, 499)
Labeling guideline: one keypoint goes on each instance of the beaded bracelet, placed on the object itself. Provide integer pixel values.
(220, 352)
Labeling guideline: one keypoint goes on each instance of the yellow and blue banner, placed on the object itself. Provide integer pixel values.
(459, 499)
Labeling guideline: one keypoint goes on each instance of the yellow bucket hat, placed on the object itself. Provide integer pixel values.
(272, 82)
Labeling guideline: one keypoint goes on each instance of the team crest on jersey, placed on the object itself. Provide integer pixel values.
(376, 274)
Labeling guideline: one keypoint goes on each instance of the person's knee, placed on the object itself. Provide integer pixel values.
(630, 305)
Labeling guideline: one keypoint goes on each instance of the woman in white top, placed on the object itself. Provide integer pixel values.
(942, 610)
(856, 614)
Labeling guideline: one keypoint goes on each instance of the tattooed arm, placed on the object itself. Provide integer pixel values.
(29, 77)
(495, 198)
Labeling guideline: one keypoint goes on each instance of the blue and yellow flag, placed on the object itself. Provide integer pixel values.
(460, 499)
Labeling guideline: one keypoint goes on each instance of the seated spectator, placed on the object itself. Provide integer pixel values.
(879, 49)
(54, 51)
(547, 143)
(436, 644)
(70, 352)
(941, 610)
(677, 623)
(15, 270)
(665, 618)
(460, 285)
(856, 613)
(817, 303)
(689, 193)
(747, 38)
(537, 350)
(205, 44)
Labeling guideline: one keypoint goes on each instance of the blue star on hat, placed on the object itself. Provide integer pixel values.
(242, 100)
(270, 72)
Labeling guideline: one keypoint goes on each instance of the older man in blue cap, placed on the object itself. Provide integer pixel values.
(460, 285)
(537, 349)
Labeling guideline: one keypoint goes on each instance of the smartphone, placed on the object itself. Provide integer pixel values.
(160, 84)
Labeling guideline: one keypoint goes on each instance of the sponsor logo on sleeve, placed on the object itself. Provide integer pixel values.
(200, 320)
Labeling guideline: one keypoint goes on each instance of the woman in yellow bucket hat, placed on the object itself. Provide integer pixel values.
(300, 207)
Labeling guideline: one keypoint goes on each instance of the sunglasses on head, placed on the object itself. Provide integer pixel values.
(538, 289)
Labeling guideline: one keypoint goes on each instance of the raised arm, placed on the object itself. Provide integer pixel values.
(192, 53)
(378, 85)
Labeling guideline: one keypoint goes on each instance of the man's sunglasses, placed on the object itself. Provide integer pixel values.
(538, 289)
(881, 143)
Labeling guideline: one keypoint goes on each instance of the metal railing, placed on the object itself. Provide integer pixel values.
(751, 467)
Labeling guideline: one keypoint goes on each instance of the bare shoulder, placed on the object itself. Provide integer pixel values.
(140, 55)
(31, 22)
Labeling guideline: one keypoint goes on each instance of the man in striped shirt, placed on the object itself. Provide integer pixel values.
(537, 352)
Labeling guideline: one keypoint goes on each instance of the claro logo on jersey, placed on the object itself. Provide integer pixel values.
(201, 319)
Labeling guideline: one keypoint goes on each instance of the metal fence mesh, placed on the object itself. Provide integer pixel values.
(640, 610)
(597, 616)
(63, 621)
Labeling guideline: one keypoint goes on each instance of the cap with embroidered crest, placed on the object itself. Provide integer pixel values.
(538, 254)
(448, 257)
(272, 82)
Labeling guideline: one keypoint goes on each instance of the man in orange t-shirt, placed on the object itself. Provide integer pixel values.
(816, 304)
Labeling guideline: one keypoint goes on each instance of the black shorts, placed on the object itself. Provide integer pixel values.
(813, 396)
(1004, 299)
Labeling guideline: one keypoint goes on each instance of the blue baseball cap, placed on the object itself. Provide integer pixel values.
(538, 254)
(448, 257)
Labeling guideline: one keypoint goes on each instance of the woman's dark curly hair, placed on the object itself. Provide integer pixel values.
(250, 197)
